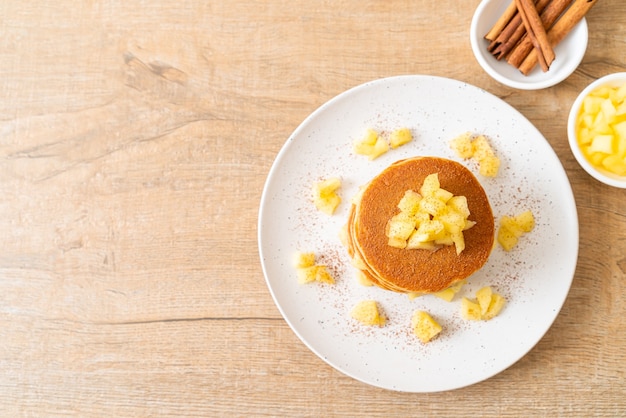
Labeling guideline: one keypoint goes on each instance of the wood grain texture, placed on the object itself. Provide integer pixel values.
(135, 138)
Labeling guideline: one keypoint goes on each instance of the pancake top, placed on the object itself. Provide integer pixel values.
(421, 270)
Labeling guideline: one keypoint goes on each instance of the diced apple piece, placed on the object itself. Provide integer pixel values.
(602, 143)
(608, 109)
(459, 242)
(482, 149)
(428, 231)
(379, 149)
(479, 148)
(526, 221)
(592, 104)
(413, 295)
(444, 240)
(306, 274)
(308, 271)
(459, 204)
(483, 296)
(615, 164)
(370, 137)
(453, 221)
(323, 275)
(468, 224)
(371, 145)
(398, 228)
(430, 185)
(506, 239)
(620, 131)
(487, 305)
(496, 305)
(449, 293)
(409, 203)
(301, 259)
(443, 195)
(325, 195)
(368, 313)
(432, 205)
(512, 228)
(511, 224)
(400, 137)
(416, 242)
(585, 136)
(397, 243)
(463, 146)
(489, 166)
(424, 326)
(470, 310)
(620, 93)
(362, 279)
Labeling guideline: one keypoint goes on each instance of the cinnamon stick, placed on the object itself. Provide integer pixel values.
(536, 32)
(501, 22)
(559, 31)
(514, 31)
(549, 15)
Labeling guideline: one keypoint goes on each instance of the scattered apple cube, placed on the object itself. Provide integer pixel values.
(489, 166)
(400, 137)
(449, 293)
(486, 306)
(413, 295)
(362, 279)
(325, 195)
(483, 296)
(368, 313)
(306, 274)
(495, 306)
(507, 239)
(478, 148)
(308, 271)
(512, 228)
(463, 146)
(470, 309)
(303, 259)
(424, 326)
(371, 145)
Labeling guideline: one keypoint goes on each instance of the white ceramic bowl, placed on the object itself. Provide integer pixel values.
(569, 52)
(604, 176)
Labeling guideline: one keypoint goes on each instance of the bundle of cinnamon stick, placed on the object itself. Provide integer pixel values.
(527, 32)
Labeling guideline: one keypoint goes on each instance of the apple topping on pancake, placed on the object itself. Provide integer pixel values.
(429, 219)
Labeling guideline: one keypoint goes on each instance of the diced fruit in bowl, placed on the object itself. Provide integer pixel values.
(597, 129)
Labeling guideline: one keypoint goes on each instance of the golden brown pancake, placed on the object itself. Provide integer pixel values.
(417, 270)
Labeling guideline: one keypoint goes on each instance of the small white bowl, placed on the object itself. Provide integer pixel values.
(615, 79)
(568, 53)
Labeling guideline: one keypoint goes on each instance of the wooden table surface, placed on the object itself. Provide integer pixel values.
(135, 139)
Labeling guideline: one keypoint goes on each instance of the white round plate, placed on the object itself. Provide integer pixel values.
(535, 277)
(569, 53)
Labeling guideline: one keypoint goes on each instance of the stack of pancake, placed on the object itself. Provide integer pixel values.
(416, 270)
